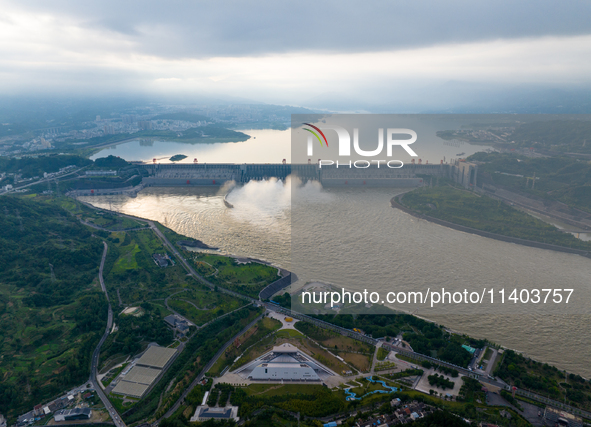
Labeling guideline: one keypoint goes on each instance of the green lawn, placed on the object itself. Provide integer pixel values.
(484, 213)
(281, 389)
(246, 278)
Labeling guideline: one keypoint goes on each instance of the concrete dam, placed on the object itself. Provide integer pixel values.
(410, 175)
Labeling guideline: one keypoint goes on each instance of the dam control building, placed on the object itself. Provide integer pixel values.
(285, 363)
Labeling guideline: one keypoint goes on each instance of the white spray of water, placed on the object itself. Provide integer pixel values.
(264, 202)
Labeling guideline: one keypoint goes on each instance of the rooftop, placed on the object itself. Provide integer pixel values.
(156, 357)
(285, 348)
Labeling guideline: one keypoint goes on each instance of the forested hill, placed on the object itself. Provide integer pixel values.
(51, 310)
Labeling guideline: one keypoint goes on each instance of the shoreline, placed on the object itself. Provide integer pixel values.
(396, 204)
(286, 277)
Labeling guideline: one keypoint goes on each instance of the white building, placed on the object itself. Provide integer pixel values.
(205, 413)
(284, 364)
(73, 414)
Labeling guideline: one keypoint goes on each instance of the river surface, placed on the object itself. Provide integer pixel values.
(353, 238)
(272, 146)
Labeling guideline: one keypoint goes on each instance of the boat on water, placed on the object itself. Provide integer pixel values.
(460, 154)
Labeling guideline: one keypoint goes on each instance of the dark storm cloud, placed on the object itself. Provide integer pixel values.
(183, 29)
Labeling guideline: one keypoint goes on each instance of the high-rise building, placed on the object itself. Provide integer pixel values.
(145, 125)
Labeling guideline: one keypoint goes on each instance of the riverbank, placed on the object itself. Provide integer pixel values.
(397, 203)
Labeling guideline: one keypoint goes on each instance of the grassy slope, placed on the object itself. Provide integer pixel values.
(484, 213)
(48, 326)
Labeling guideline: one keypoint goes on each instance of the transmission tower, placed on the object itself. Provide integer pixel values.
(52, 273)
(21, 228)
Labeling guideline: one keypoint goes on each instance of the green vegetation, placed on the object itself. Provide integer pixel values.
(111, 162)
(405, 373)
(246, 278)
(107, 379)
(487, 214)
(198, 351)
(382, 353)
(316, 401)
(449, 371)
(562, 136)
(131, 273)
(544, 379)
(471, 391)
(440, 381)
(105, 219)
(261, 329)
(424, 337)
(200, 305)
(177, 157)
(384, 366)
(135, 333)
(266, 342)
(52, 311)
(558, 179)
(203, 134)
(35, 166)
(356, 353)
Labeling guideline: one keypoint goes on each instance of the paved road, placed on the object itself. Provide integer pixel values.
(207, 368)
(95, 356)
(42, 180)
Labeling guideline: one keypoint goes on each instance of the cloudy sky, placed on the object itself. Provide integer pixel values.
(290, 52)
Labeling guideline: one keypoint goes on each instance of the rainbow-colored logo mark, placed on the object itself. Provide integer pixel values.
(315, 134)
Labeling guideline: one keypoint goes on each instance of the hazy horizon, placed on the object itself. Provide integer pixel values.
(385, 57)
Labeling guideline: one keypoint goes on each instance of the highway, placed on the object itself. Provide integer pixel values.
(95, 356)
(42, 180)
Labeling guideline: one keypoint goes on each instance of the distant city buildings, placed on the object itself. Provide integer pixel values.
(145, 125)
(131, 122)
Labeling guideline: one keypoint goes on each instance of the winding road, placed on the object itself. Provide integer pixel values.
(95, 356)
